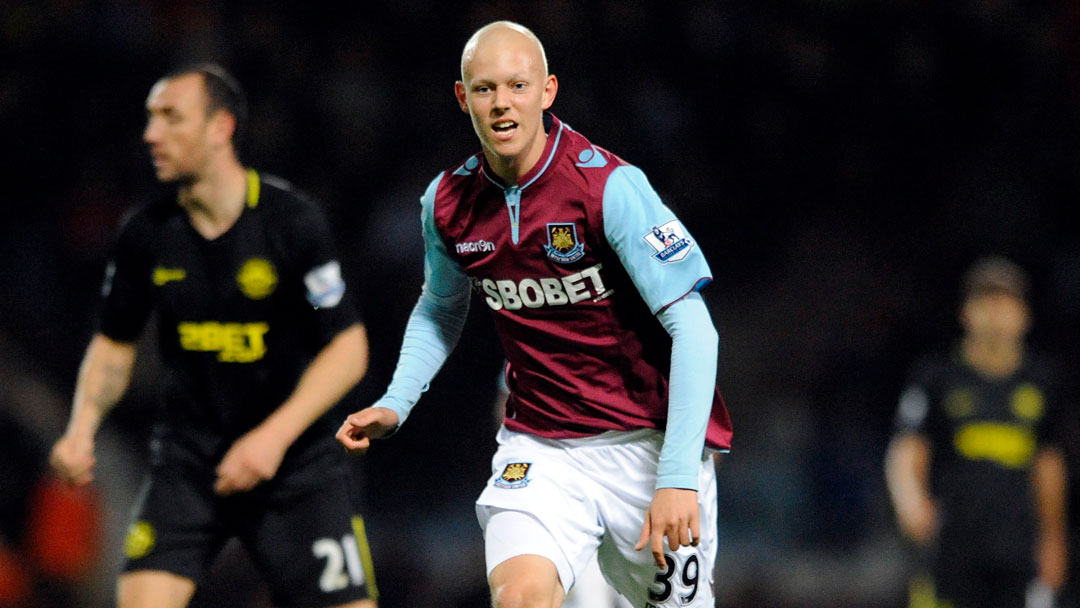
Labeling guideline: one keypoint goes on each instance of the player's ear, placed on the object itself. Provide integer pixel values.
(963, 315)
(459, 92)
(551, 87)
(223, 125)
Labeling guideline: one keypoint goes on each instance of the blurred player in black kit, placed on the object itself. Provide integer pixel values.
(258, 340)
(976, 469)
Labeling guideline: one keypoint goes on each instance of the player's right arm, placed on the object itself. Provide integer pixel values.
(907, 475)
(106, 367)
(908, 458)
(433, 330)
(103, 377)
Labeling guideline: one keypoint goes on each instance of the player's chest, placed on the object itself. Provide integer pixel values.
(523, 230)
(994, 422)
(194, 278)
(1022, 401)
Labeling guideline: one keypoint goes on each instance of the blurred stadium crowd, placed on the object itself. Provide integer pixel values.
(840, 162)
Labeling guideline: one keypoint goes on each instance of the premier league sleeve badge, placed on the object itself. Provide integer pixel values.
(670, 242)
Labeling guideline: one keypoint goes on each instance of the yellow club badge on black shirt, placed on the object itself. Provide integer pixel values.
(257, 278)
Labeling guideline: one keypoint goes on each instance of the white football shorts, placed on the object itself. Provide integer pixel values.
(568, 499)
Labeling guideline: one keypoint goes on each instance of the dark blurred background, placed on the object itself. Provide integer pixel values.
(840, 163)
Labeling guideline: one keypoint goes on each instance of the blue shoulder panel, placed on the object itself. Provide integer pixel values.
(657, 251)
(442, 276)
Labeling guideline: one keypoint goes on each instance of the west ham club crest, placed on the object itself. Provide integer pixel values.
(563, 245)
(515, 475)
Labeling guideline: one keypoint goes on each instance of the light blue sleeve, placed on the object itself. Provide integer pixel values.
(666, 264)
(663, 260)
(442, 276)
(694, 344)
(435, 323)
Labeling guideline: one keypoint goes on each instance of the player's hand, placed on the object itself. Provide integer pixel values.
(918, 520)
(252, 459)
(1052, 560)
(361, 427)
(674, 514)
(72, 458)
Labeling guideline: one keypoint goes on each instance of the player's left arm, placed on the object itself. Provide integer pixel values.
(1049, 485)
(674, 509)
(1050, 478)
(256, 456)
(337, 367)
(669, 284)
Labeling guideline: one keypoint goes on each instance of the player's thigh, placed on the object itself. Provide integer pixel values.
(153, 589)
(960, 578)
(358, 604)
(312, 547)
(536, 503)
(590, 590)
(178, 525)
(687, 578)
(525, 581)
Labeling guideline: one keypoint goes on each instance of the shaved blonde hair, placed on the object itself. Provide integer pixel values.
(470, 46)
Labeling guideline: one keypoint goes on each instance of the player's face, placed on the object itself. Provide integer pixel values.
(505, 92)
(996, 316)
(178, 131)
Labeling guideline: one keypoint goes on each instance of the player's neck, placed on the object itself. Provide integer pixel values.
(510, 170)
(991, 357)
(215, 201)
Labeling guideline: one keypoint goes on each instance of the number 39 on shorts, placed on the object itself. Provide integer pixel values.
(675, 580)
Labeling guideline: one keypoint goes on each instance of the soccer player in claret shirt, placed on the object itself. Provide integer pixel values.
(258, 340)
(593, 283)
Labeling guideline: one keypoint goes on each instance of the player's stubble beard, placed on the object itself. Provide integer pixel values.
(180, 179)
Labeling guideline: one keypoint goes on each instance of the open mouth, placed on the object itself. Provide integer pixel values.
(504, 128)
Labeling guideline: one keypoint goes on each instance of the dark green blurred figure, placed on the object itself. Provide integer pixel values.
(976, 469)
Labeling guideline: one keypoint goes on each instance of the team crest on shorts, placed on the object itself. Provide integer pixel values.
(515, 475)
(669, 241)
(563, 245)
(139, 540)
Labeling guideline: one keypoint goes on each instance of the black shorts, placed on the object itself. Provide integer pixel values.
(972, 583)
(308, 544)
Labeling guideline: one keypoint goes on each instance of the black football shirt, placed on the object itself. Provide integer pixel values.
(985, 433)
(239, 316)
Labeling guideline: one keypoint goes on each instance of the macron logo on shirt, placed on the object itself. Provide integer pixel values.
(480, 246)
